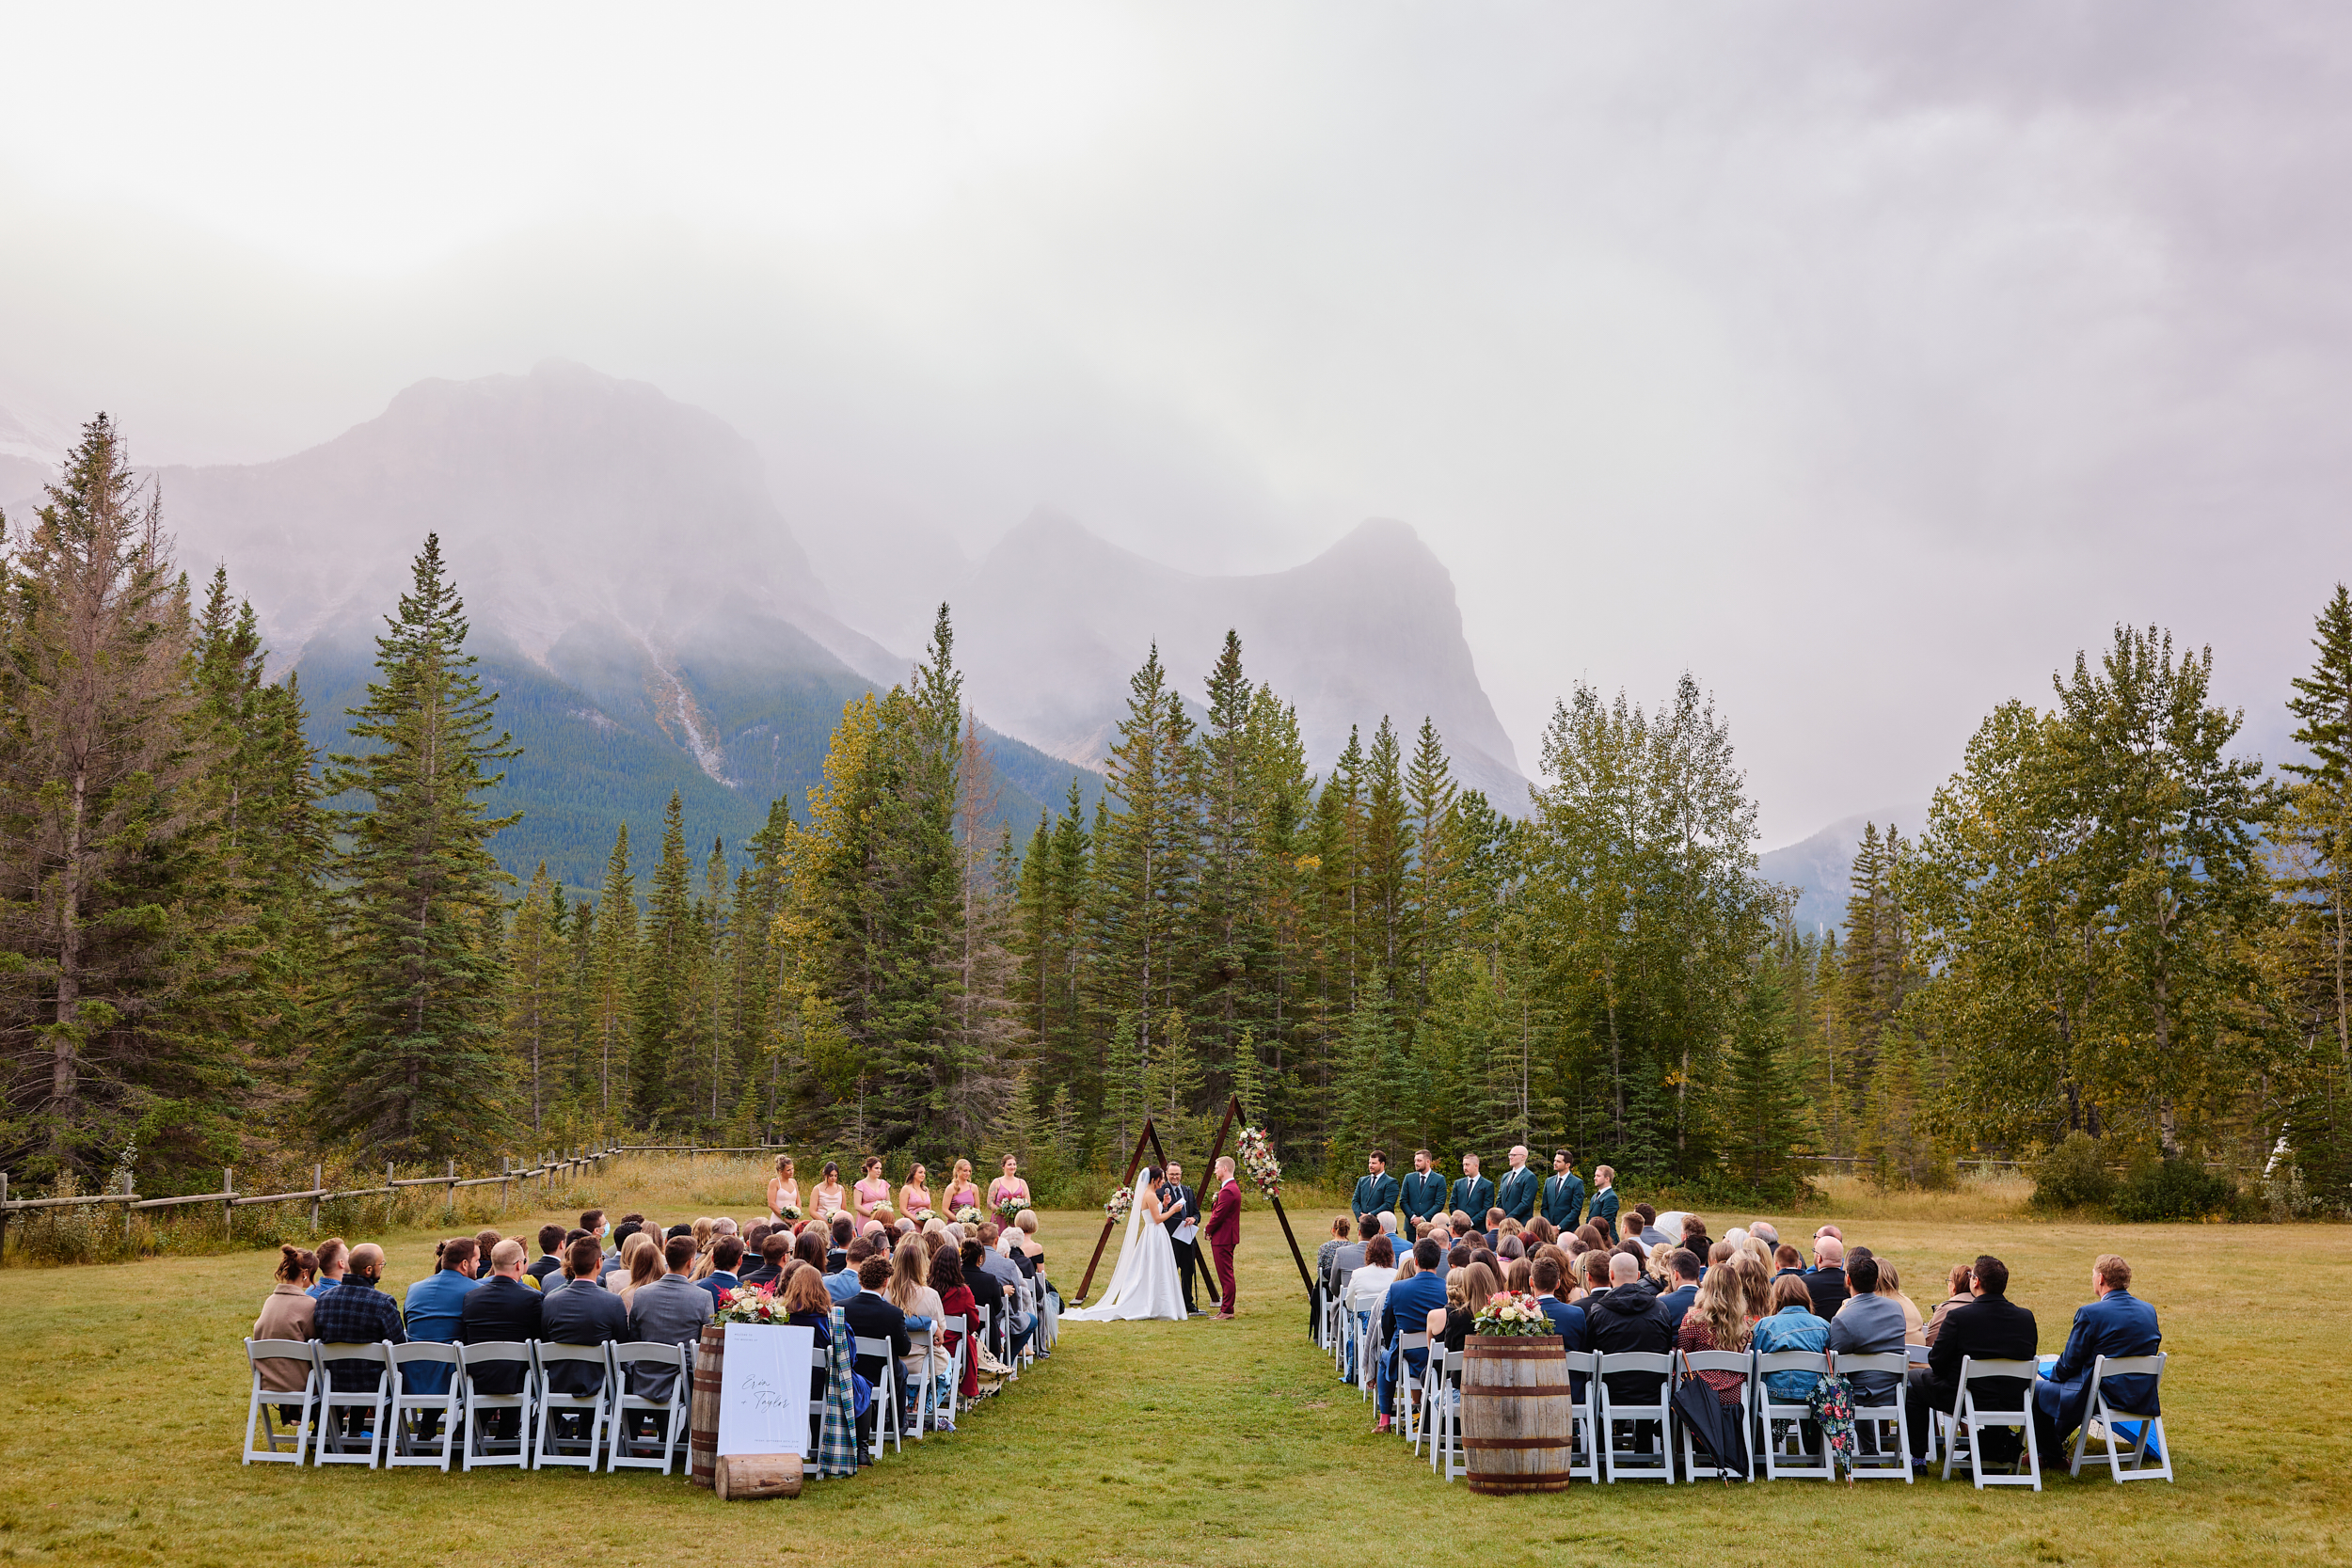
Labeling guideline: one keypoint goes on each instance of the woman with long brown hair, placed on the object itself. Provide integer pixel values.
(1717, 1320)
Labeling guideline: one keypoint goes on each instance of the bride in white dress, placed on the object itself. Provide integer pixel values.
(1144, 1285)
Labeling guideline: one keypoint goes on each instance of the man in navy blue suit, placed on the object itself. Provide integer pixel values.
(2118, 1323)
(1473, 1195)
(1405, 1311)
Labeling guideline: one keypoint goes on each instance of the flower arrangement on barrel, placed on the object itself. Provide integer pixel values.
(747, 1304)
(1116, 1207)
(1509, 1313)
(1258, 1161)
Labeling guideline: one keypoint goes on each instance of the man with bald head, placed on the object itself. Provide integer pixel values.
(1827, 1282)
(1628, 1317)
(360, 1314)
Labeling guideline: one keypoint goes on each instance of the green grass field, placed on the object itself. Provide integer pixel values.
(123, 1397)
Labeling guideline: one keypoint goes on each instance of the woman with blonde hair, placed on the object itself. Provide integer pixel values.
(1891, 1287)
(783, 1191)
(963, 1191)
(645, 1266)
(1717, 1320)
(909, 1291)
(1756, 1284)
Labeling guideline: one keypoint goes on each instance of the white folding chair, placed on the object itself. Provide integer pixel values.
(621, 1451)
(1432, 1394)
(1635, 1462)
(927, 1393)
(481, 1449)
(1874, 1418)
(263, 1411)
(1918, 1358)
(1406, 1394)
(591, 1411)
(1780, 1423)
(1970, 1418)
(334, 1447)
(2109, 1415)
(1343, 1325)
(1584, 1461)
(1697, 1361)
(888, 1425)
(413, 1412)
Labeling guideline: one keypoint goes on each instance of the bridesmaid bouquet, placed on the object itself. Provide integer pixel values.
(1509, 1313)
(1120, 1201)
(968, 1214)
(1011, 1206)
(790, 1213)
(1258, 1161)
(923, 1216)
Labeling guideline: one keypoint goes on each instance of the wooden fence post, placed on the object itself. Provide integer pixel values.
(392, 1194)
(4, 1216)
(452, 1187)
(318, 1185)
(228, 1209)
(127, 1195)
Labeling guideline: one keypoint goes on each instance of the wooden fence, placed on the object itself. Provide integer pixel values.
(550, 1169)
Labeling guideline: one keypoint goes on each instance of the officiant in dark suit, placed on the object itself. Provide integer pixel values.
(1184, 1209)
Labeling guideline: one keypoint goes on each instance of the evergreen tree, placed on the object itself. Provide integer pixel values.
(1764, 1133)
(1430, 794)
(419, 1070)
(663, 958)
(535, 962)
(2315, 836)
(1144, 858)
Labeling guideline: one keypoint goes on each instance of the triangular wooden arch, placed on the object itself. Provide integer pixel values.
(1151, 1132)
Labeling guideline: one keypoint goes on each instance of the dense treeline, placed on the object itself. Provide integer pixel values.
(2111, 928)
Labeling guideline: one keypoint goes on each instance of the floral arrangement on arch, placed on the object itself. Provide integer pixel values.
(968, 1214)
(1509, 1313)
(747, 1304)
(1115, 1208)
(1258, 1161)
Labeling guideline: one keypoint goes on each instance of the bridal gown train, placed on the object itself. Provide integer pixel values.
(1144, 1285)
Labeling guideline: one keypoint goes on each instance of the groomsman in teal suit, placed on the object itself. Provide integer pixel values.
(1375, 1193)
(1473, 1195)
(1424, 1192)
(1564, 1194)
(1517, 1196)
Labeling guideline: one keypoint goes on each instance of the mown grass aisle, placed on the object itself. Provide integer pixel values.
(122, 1395)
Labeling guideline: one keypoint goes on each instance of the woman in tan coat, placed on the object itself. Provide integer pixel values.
(289, 1313)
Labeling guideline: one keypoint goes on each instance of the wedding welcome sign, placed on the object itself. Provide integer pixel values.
(763, 1389)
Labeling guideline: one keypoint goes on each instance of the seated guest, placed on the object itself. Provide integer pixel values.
(331, 1254)
(288, 1312)
(592, 1220)
(806, 1304)
(872, 1317)
(1593, 1273)
(1988, 1328)
(988, 1292)
(1828, 1279)
(645, 1267)
(579, 1311)
(1024, 1242)
(1792, 1327)
(1756, 1284)
(1869, 1324)
(357, 1313)
(810, 1248)
(774, 1248)
(1338, 1239)
(1627, 1318)
(1452, 1322)
(668, 1309)
(1891, 1287)
(1787, 1259)
(499, 1310)
(433, 1309)
(1347, 1260)
(911, 1293)
(1494, 1228)
(1550, 1282)
(1643, 1227)
(1957, 1295)
(1007, 1274)
(725, 1253)
(1519, 1276)
(1695, 1236)
(958, 1318)
(1677, 1301)
(2115, 1324)
(1403, 1309)
(550, 1258)
(842, 1283)
(617, 1261)
(1716, 1319)
(1767, 1232)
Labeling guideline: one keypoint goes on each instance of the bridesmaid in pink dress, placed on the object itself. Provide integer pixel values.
(872, 1191)
(962, 1192)
(1007, 1186)
(915, 1196)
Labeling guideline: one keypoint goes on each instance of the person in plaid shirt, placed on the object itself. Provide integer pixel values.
(362, 1315)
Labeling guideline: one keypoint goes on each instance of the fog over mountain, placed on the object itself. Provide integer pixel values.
(652, 621)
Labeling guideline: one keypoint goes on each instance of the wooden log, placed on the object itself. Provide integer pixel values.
(1518, 1415)
(758, 1475)
(701, 1410)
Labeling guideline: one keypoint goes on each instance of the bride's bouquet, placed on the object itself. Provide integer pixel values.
(1258, 1160)
(1120, 1201)
(1507, 1312)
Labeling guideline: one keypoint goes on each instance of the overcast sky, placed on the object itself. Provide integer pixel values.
(1866, 359)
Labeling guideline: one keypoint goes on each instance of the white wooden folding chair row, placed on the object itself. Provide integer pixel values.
(1971, 1415)
(1634, 1462)
(1693, 1362)
(889, 1426)
(2099, 1412)
(391, 1422)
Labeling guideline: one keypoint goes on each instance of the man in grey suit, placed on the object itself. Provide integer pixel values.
(1869, 1324)
(579, 1311)
(670, 1310)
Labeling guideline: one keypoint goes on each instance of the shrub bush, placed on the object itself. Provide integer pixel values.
(2074, 1175)
(2173, 1190)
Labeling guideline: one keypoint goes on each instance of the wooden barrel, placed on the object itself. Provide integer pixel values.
(702, 1414)
(1518, 1413)
(758, 1475)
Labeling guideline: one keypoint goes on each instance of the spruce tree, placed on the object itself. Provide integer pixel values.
(420, 1072)
(612, 984)
(535, 1007)
(664, 956)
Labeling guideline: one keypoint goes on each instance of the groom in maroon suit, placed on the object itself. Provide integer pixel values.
(1224, 1230)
